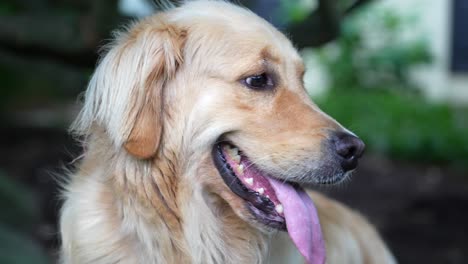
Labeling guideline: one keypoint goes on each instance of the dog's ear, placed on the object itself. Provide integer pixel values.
(125, 95)
(162, 56)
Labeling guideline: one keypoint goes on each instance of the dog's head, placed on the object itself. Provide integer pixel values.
(221, 90)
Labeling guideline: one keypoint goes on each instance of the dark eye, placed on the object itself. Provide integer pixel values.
(259, 82)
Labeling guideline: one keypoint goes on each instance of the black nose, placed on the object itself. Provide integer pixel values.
(349, 149)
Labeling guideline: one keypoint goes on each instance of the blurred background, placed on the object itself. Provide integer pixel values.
(393, 71)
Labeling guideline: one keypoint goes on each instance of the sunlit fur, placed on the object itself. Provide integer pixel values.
(146, 189)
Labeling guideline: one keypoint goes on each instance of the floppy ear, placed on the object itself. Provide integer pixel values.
(125, 94)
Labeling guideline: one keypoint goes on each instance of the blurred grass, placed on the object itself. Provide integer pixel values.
(400, 124)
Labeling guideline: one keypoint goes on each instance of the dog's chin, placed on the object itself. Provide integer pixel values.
(255, 198)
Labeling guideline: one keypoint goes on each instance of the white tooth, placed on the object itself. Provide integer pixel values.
(279, 208)
(229, 151)
(236, 158)
(249, 181)
(235, 151)
(260, 190)
(240, 170)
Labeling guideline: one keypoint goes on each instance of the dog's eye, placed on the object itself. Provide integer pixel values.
(259, 82)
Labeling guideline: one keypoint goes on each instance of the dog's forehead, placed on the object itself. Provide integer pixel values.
(237, 29)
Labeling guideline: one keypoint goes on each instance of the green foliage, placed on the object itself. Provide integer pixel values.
(7, 8)
(295, 11)
(405, 127)
(374, 48)
(368, 69)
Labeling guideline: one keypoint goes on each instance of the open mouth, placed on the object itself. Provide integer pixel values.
(274, 203)
(245, 180)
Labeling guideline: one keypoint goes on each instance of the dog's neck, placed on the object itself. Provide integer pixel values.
(169, 218)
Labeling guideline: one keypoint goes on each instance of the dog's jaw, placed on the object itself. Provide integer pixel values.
(216, 232)
(226, 217)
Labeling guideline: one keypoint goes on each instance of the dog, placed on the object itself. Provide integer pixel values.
(199, 139)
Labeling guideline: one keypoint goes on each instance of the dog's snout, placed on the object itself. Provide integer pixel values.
(349, 149)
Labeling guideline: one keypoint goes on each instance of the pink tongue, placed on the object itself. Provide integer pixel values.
(302, 221)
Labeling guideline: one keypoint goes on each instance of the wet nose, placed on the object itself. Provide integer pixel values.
(349, 149)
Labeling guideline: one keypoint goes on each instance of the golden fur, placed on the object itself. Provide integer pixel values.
(146, 189)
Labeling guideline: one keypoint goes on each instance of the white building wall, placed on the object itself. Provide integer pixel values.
(435, 20)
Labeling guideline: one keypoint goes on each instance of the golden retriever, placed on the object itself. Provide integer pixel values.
(198, 140)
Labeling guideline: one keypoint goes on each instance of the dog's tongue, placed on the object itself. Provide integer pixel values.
(302, 221)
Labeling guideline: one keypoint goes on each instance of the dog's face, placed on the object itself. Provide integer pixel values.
(223, 90)
(251, 112)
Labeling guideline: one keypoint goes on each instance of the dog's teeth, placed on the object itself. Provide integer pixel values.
(229, 151)
(279, 208)
(236, 158)
(240, 170)
(260, 190)
(249, 181)
(234, 154)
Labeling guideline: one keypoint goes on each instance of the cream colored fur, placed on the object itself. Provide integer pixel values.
(146, 191)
